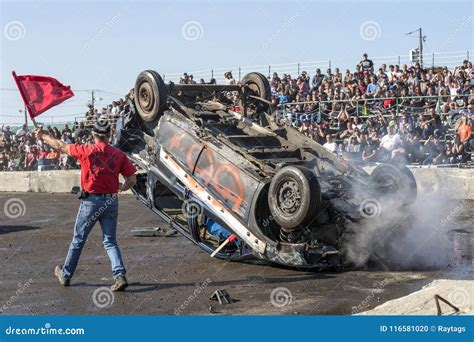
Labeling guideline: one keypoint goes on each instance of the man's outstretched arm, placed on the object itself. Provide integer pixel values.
(54, 143)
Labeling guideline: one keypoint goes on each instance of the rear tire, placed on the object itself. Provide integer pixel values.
(150, 95)
(294, 197)
(395, 183)
(257, 85)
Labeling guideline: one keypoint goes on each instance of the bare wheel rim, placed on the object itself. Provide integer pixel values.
(145, 97)
(289, 197)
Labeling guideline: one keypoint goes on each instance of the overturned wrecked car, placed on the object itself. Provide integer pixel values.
(212, 170)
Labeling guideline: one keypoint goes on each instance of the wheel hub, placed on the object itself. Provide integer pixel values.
(289, 198)
(389, 183)
(145, 97)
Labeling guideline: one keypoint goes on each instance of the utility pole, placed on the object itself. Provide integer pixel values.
(421, 39)
(26, 115)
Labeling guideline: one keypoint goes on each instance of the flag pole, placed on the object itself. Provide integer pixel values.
(20, 88)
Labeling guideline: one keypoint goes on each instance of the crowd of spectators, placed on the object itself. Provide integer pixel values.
(20, 151)
(390, 114)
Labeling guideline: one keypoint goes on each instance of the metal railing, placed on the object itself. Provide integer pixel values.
(367, 107)
(445, 59)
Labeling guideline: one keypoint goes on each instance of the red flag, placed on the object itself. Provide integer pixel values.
(41, 93)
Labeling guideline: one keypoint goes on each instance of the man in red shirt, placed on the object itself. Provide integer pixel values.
(101, 165)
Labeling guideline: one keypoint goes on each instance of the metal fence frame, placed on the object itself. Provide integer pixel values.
(449, 59)
(397, 107)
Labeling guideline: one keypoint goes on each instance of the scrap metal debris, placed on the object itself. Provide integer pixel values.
(438, 306)
(222, 296)
(153, 231)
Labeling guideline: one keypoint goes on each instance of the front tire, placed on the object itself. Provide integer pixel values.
(294, 197)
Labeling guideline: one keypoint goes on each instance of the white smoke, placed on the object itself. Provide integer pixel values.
(417, 236)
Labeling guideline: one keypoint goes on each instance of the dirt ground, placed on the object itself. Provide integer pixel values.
(167, 275)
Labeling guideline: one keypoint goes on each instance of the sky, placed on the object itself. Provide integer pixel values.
(104, 45)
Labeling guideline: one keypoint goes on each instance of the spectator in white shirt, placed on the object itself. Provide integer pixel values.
(330, 144)
(391, 140)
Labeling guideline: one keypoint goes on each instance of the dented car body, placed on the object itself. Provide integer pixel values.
(286, 198)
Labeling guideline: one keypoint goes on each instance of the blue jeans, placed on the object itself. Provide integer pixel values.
(92, 209)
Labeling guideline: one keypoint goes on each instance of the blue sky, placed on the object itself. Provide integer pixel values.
(104, 45)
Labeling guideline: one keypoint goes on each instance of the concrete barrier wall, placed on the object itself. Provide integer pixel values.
(453, 183)
(36, 181)
(450, 183)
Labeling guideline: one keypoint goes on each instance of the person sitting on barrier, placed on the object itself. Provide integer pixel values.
(435, 150)
(330, 144)
(370, 151)
(390, 144)
(465, 129)
(413, 147)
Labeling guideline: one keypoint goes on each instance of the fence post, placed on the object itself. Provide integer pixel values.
(438, 106)
(432, 60)
(319, 111)
(298, 68)
(240, 73)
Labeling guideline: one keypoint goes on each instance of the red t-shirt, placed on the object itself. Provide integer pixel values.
(101, 165)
